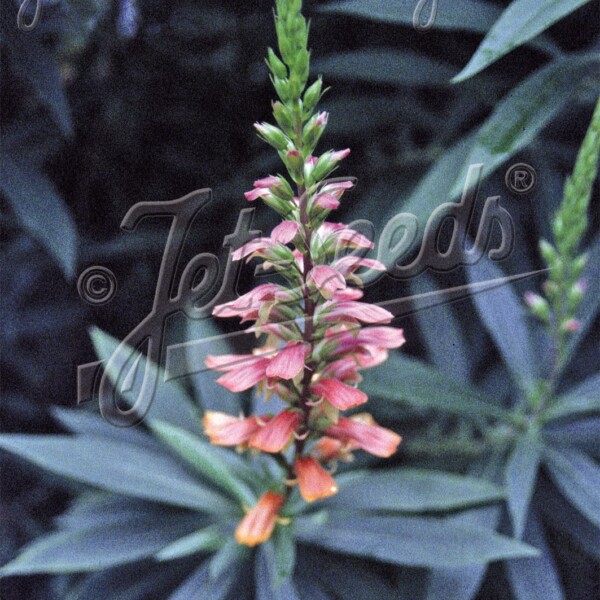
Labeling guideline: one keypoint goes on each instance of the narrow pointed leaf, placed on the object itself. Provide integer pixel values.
(505, 319)
(98, 547)
(200, 586)
(170, 401)
(520, 115)
(411, 381)
(206, 459)
(534, 578)
(412, 541)
(520, 22)
(521, 475)
(461, 15)
(578, 477)
(117, 467)
(411, 490)
(204, 540)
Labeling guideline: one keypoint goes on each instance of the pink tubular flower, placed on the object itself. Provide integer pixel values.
(349, 264)
(256, 245)
(360, 311)
(361, 431)
(249, 303)
(243, 375)
(253, 195)
(327, 201)
(267, 182)
(275, 435)
(338, 394)
(314, 481)
(226, 430)
(258, 524)
(326, 280)
(285, 232)
(340, 154)
(289, 361)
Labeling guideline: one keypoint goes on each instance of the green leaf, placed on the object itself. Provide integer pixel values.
(269, 583)
(521, 475)
(411, 490)
(583, 399)
(200, 586)
(519, 23)
(284, 547)
(412, 541)
(40, 209)
(204, 338)
(79, 420)
(461, 15)
(505, 319)
(170, 402)
(34, 63)
(206, 459)
(535, 578)
(525, 111)
(205, 540)
(227, 557)
(578, 477)
(386, 66)
(441, 332)
(403, 379)
(97, 547)
(117, 467)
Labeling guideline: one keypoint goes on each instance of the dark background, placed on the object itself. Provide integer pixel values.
(103, 108)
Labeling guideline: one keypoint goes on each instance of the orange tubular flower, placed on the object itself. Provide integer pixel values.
(258, 524)
(226, 430)
(314, 481)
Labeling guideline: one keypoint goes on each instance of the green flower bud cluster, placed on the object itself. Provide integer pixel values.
(564, 288)
(299, 129)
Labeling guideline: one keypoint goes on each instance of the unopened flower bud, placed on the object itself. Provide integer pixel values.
(277, 67)
(312, 95)
(538, 305)
(548, 253)
(272, 135)
(570, 325)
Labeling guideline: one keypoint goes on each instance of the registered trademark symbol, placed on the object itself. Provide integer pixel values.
(97, 285)
(520, 178)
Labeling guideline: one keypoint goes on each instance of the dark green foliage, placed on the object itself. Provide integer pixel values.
(99, 113)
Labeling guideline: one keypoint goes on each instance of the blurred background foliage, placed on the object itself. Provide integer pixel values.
(109, 103)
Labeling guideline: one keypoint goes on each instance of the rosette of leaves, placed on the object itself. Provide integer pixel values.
(156, 505)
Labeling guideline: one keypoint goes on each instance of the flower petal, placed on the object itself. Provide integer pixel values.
(313, 480)
(338, 394)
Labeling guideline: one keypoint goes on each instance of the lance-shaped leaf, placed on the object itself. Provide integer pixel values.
(205, 540)
(393, 67)
(411, 490)
(40, 209)
(521, 474)
(207, 460)
(100, 546)
(200, 586)
(411, 541)
(505, 319)
(534, 578)
(461, 15)
(117, 467)
(525, 111)
(520, 22)
(578, 401)
(169, 403)
(414, 382)
(269, 582)
(578, 478)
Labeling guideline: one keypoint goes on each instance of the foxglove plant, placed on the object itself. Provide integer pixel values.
(314, 322)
